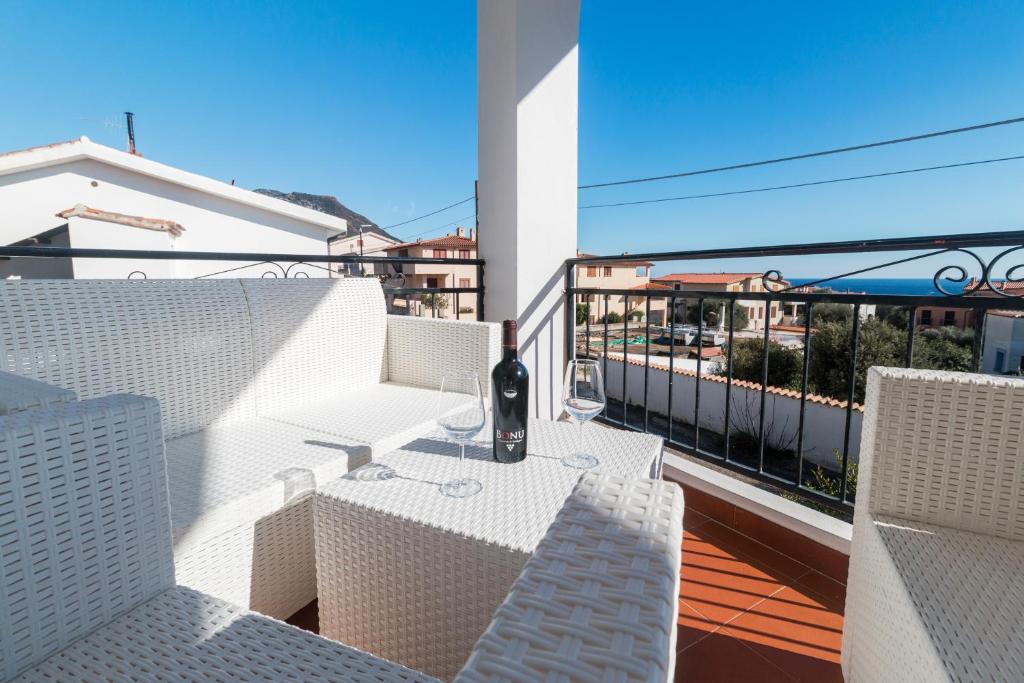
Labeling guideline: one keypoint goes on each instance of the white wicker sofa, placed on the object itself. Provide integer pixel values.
(88, 589)
(266, 387)
(935, 590)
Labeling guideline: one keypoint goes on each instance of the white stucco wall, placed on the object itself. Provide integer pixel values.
(30, 199)
(824, 426)
(1003, 333)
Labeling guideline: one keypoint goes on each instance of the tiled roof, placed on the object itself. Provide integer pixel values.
(706, 278)
(158, 224)
(651, 285)
(446, 242)
(753, 386)
(629, 264)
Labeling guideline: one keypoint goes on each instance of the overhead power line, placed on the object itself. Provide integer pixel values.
(432, 213)
(807, 184)
(441, 227)
(808, 155)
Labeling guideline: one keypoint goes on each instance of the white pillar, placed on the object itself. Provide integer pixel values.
(527, 82)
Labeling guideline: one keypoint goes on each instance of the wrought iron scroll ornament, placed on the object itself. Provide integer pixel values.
(947, 274)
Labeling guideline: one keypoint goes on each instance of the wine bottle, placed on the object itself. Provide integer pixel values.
(510, 384)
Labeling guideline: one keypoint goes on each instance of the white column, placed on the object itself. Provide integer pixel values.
(527, 82)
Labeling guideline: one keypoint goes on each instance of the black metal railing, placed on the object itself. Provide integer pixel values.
(389, 270)
(993, 287)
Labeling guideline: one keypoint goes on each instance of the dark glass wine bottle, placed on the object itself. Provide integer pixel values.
(510, 391)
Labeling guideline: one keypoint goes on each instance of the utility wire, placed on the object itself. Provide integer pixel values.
(809, 155)
(432, 213)
(808, 184)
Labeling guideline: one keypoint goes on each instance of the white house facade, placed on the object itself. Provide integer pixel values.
(85, 195)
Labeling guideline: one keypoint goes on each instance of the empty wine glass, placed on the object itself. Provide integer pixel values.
(460, 423)
(583, 398)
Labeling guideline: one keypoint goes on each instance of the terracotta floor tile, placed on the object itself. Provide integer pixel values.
(749, 549)
(718, 584)
(800, 667)
(793, 622)
(693, 519)
(828, 590)
(720, 659)
(692, 627)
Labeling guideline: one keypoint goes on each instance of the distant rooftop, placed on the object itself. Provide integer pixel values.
(446, 242)
(707, 278)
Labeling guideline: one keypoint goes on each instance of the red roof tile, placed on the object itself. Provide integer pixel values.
(446, 242)
(707, 278)
(651, 285)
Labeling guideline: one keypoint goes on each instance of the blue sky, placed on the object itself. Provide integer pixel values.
(376, 103)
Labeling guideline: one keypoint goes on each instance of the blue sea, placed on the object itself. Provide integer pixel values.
(906, 286)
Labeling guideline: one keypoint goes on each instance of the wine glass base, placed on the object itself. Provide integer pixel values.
(580, 461)
(461, 488)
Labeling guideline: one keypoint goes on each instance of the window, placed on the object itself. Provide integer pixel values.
(403, 252)
(464, 282)
(440, 253)
(775, 311)
(1000, 365)
(949, 318)
(641, 271)
(926, 316)
(591, 271)
(432, 282)
(607, 271)
(464, 253)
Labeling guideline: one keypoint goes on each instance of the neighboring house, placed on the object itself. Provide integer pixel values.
(418, 275)
(86, 195)
(620, 275)
(1004, 343)
(364, 241)
(757, 313)
(363, 237)
(942, 316)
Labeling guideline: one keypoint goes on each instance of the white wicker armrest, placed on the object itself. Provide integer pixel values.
(19, 393)
(421, 350)
(598, 600)
(84, 522)
(944, 448)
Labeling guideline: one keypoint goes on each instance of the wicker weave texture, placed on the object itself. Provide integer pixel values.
(947, 448)
(186, 343)
(268, 566)
(414, 577)
(24, 393)
(421, 350)
(383, 417)
(84, 528)
(185, 636)
(598, 600)
(315, 339)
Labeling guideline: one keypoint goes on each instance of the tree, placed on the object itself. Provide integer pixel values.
(636, 315)
(435, 299)
(946, 348)
(785, 365)
(582, 312)
(612, 317)
(710, 311)
(897, 316)
(832, 313)
(880, 344)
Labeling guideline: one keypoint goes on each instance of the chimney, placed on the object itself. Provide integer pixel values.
(130, 117)
(460, 231)
(472, 234)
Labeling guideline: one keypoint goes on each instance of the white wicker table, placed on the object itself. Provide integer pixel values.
(412, 576)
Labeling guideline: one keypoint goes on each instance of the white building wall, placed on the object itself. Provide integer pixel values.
(30, 199)
(824, 426)
(1006, 334)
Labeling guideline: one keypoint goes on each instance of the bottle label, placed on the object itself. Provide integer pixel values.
(508, 439)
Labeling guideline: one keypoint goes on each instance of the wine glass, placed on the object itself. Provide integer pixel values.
(583, 398)
(460, 424)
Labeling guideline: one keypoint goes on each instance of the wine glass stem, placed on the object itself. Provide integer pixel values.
(462, 456)
(581, 436)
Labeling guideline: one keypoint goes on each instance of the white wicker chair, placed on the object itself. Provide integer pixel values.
(266, 388)
(88, 590)
(935, 590)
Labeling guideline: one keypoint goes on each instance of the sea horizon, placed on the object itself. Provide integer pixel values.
(923, 286)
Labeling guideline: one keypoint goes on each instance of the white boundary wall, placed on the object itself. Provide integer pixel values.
(823, 424)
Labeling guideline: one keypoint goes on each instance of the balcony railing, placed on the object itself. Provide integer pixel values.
(732, 422)
(388, 269)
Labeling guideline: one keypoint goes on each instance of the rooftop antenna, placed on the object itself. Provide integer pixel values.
(131, 131)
